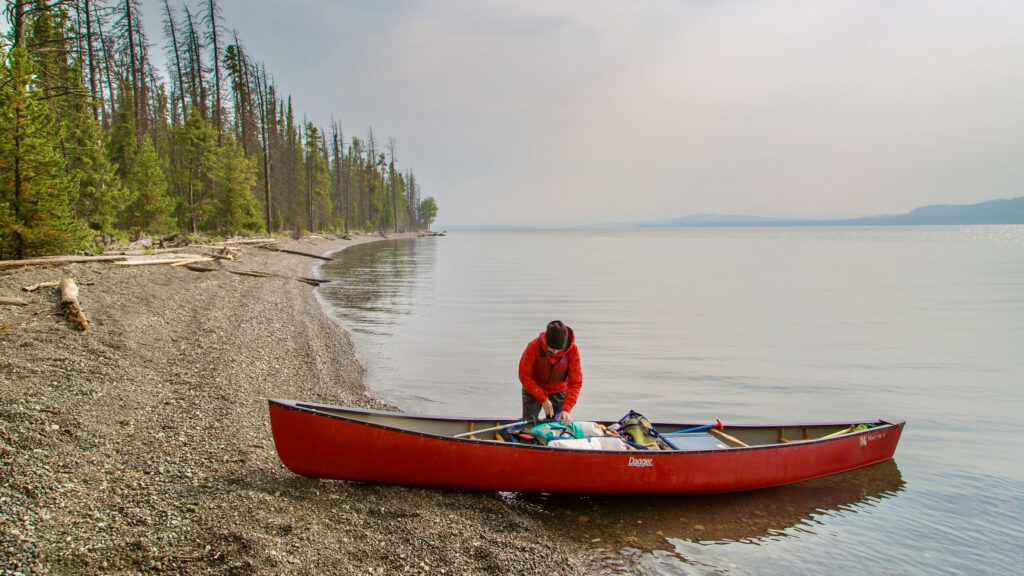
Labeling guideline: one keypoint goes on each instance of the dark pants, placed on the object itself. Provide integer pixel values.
(531, 407)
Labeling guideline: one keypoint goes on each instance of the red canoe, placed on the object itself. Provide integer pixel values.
(371, 446)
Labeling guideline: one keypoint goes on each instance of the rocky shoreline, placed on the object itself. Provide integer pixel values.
(142, 445)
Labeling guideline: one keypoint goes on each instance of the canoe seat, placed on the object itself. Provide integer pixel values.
(694, 441)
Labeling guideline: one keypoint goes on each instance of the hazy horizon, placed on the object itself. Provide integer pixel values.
(570, 113)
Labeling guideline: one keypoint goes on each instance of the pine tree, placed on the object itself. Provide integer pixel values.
(121, 143)
(318, 184)
(81, 143)
(36, 192)
(428, 211)
(196, 149)
(100, 193)
(150, 209)
(237, 211)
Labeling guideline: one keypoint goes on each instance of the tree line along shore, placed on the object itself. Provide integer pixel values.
(98, 147)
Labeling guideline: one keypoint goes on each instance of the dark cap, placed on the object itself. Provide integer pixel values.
(556, 335)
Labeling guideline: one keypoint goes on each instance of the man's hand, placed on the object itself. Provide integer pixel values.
(549, 410)
(564, 418)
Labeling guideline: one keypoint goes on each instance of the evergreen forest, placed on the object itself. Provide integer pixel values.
(97, 146)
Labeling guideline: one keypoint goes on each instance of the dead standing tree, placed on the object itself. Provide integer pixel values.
(211, 19)
(261, 95)
(171, 29)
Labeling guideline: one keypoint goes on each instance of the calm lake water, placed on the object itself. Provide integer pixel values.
(749, 325)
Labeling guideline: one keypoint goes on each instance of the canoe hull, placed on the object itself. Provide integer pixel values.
(319, 444)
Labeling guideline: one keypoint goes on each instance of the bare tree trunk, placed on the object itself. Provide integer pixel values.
(19, 22)
(134, 72)
(97, 96)
(105, 46)
(212, 15)
(79, 38)
(336, 137)
(391, 173)
(383, 191)
(172, 29)
(19, 183)
(363, 201)
(196, 67)
(243, 111)
(346, 187)
(309, 190)
(191, 197)
(265, 134)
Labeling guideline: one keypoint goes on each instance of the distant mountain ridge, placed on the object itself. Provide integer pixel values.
(1004, 211)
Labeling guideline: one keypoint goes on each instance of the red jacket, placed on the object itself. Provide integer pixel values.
(542, 373)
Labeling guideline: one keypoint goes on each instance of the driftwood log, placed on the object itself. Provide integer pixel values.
(256, 273)
(247, 241)
(69, 302)
(34, 287)
(306, 254)
(171, 256)
(12, 302)
(147, 252)
(175, 259)
(8, 264)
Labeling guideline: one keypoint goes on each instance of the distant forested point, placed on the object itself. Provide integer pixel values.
(95, 147)
(1005, 211)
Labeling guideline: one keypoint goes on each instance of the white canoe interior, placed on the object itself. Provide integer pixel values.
(483, 429)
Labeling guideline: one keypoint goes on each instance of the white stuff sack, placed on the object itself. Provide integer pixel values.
(590, 428)
(590, 443)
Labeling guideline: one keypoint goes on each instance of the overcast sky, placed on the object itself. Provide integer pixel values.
(577, 112)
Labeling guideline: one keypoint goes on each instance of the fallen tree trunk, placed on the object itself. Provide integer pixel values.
(8, 264)
(34, 287)
(306, 254)
(246, 241)
(256, 273)
(69, 302)
(13, 302)
(310, 281)
(192, 261)
(177, 259)
(141, 252)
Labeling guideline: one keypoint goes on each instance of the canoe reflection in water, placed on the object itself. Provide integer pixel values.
(647, 523)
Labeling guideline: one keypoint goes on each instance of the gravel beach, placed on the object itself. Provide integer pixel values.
(142, 445)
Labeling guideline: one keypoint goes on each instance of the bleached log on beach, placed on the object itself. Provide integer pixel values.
(221, 253)
(12, 302)
(188, 261)
(69, 302)
(49, 260)
(176, 259)
(34, 287)
(246, 241)
(140, 252)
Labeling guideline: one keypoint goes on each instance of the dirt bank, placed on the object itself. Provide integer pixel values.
(142, 445)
